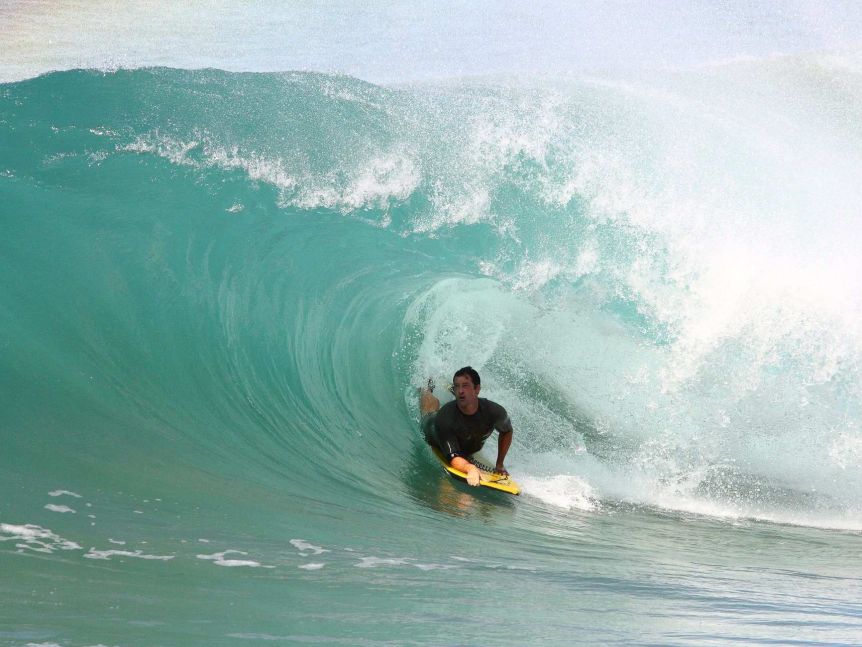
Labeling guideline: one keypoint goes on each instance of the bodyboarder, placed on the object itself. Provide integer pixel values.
(460, 428)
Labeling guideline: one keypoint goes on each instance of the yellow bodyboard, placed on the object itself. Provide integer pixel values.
(492, 480)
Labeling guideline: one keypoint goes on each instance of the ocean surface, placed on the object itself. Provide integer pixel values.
(220, 291)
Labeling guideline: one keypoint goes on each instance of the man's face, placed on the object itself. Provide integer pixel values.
(466, 394)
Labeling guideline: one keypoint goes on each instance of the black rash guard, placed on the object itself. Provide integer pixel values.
(457, 434)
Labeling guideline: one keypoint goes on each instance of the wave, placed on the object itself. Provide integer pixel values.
(251, 273)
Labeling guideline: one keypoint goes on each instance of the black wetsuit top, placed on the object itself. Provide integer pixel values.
(457, 434)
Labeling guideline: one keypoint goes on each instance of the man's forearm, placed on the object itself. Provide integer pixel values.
(503, 444)
(468, 468)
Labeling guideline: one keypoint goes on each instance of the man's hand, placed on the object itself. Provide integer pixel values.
(472, 472)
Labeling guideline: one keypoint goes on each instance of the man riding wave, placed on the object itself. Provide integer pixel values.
(460, 428)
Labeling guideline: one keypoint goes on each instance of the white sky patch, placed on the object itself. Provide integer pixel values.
(446, 40)
(307, 548)
(221, 560)
(59, 508)
(64, 493)
(139, 554)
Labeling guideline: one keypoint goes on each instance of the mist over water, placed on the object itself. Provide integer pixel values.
(222, 289)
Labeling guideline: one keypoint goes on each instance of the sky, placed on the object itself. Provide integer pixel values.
(388, 42)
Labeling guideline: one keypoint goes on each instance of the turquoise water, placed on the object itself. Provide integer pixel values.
(221, 290)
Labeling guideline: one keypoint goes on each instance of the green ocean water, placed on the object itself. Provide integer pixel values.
(220, 292)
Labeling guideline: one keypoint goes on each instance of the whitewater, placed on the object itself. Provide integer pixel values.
(226, 272)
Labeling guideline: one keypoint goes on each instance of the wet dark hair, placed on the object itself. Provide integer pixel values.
(468, 371)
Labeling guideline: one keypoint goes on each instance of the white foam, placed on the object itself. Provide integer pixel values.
(59, 508)
(139, 554)
(373, 184)
(562, 490)
(221, 560)
(312, 566)
(307, 548)
(434, 567)
(846, 450)
(175, 150)
(64, 492)
(376, 562)
(257, 167)
(35, 538)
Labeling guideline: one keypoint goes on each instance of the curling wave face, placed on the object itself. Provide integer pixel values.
(249, 274)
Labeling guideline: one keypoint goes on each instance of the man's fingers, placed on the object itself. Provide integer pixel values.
(473, 475)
